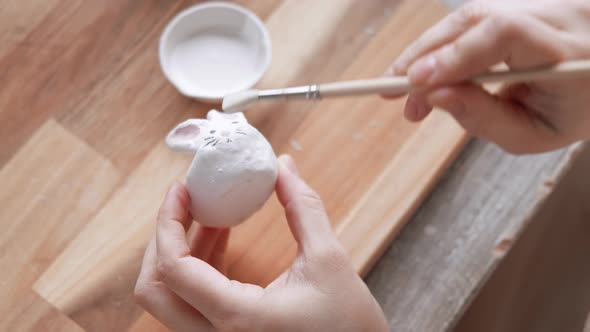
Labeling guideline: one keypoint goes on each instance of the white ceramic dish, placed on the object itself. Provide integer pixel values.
(214, 49)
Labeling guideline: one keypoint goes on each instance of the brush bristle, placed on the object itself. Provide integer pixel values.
(238, 102)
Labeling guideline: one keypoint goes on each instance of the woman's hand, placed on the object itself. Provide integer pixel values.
(182, 283)
(521, 118)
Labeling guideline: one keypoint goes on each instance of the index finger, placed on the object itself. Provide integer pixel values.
(443, 32)
(497, 39)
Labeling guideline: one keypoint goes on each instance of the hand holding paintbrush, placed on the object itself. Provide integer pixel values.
(542, 107)
(399, 85)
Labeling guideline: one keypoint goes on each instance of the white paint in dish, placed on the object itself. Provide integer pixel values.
(214, 49)
(215, 61)
(234, 170)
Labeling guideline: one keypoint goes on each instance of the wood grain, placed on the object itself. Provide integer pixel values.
(74, 48)
(431, 272)
(18, 19)
(93, 67)
(84, 63)
(370, 142)
(383, 219)
(51, 168)
(92, 280)
(33, 313)
(543, 284)
(320, 57)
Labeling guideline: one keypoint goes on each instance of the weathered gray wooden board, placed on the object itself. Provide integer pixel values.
(543, 284)
(434, 268)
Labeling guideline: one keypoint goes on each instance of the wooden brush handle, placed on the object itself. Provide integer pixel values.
(384, 85)
(401, 84)
(567, 69)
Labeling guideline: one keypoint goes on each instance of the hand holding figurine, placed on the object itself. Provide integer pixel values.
(182, 284)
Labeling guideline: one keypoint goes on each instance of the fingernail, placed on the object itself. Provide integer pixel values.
(421, 71)
(287, 161)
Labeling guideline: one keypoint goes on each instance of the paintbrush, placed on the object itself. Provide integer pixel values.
(397, 85)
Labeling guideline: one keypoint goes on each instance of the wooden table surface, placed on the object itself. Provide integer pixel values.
(84, 110)
(423, 282)
(436, 266)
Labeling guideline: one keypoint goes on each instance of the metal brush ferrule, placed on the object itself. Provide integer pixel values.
(303, 92)
(313, 92)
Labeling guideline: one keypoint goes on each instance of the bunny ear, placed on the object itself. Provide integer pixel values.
(186, 136)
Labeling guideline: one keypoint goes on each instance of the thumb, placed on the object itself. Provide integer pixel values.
(305, 212)
(507, 123)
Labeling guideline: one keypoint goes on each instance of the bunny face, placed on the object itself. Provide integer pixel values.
(234, 169)
(218, 128)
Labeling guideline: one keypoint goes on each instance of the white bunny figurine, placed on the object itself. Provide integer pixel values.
(234, 169)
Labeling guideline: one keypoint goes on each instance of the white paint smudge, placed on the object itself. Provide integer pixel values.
(295, 145)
